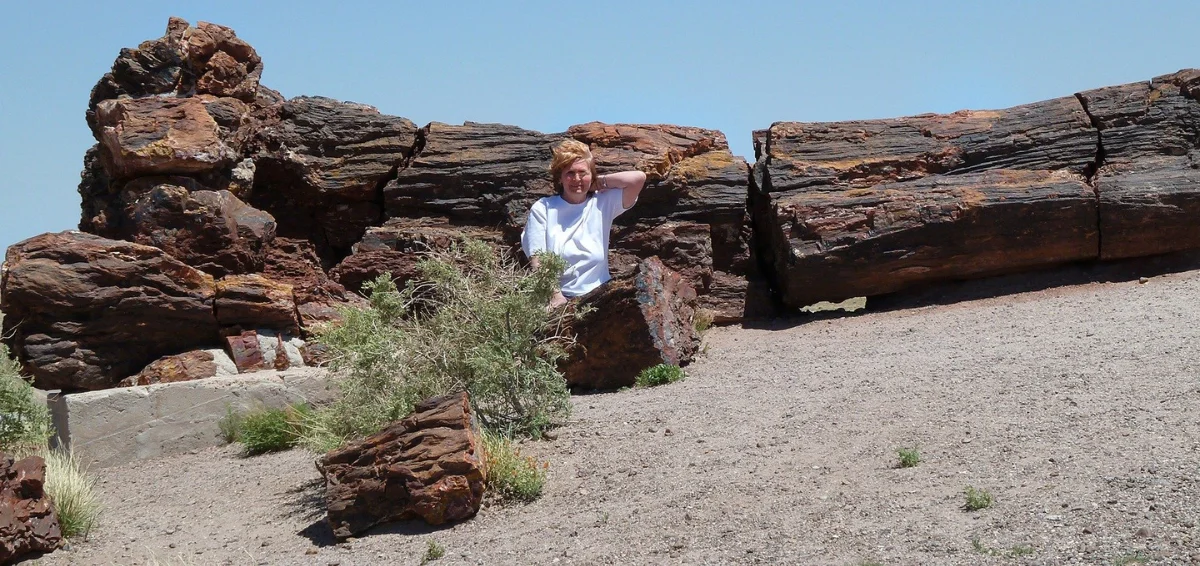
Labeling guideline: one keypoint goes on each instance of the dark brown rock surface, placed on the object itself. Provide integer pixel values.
(83, 312)
(27, 519)
(428, 466)
(637, 322)
(1149, 179)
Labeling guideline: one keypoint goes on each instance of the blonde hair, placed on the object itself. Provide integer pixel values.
(565, 155)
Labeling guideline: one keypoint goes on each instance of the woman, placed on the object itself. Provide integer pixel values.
(576, 222)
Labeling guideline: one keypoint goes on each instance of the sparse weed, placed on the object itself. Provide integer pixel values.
(1014, 552)
(433, 551)
(977, 499)
(909, 457)
(73, 493)
(660, 374)
(1133, 558)
(703, 320)
(271, 430)
(230, 425)
(511, 476)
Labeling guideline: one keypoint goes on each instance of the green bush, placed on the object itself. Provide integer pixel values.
(477, 322)
(272, 430)
(976, 499)
(511, 476)
(909, 457)
(660, 374)
(24, 422)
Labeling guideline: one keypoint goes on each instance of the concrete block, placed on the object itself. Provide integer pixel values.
(115, 426)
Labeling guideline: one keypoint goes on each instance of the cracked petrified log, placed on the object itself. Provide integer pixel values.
(1149, 178)
(320, 169)
(428, 466)
(294, 262)
(871, 207)
(83, 312)
(27, 520)
(254, 301)
(631, 324)
(213, 231)
(160, 136)
(188, 366)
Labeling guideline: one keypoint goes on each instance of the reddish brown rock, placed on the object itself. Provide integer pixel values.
(83, 312)
(213, 231)
(160, 136)
(637, 322)
(27, 520)
(428, 466)
(253, 301)
(188, 366)
(317, 297)
(321, 167)
(245, 351)
(1149, 177)
(871, 207)
(396, 247)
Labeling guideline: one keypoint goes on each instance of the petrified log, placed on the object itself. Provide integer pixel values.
(188, 366)
(213, 231)
(429, 466)
(254, 301)
(635, 323)
(160, 136)
(27, 519)
(82, 312)
(295, 262)
(396, 248)
(1149, 179)
(321, 167)
(871, 207)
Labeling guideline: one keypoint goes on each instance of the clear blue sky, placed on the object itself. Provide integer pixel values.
(548, 65)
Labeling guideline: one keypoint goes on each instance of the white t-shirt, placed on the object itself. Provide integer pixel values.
(578, 233)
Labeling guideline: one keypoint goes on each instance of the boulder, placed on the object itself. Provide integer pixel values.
(27, 520)
(1149, 177)
(634, 323)
(213, 231)
(83, 312)
(295, 262)
(254, 301)
(320, 168)
(160, 136)
(868, 207)
(430, 466)
(396, 248)
(188, 366)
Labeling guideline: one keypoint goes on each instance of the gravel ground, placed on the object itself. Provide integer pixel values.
(1075, 407)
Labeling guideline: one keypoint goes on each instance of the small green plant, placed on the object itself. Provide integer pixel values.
(660, 374)
(433, 551)
(1135, 558)
(511, 476)
(271, 430)
(24, 422)
(977, 499)
(703, 320)
(230, 425)
(909, 457)
(1020, 550)
(73, 493)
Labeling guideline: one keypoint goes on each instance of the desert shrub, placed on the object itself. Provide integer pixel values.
(660, 374)
(976, 499)
(511, 476)
(271, 430)
(433, 551)
(24, 421)
(703, 320)
(909, 457)
(231, 424)
(476, 322)
(72, 491)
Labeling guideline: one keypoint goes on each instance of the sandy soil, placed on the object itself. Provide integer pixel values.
(1076, 407)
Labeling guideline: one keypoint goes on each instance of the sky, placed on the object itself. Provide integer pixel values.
(734, 67)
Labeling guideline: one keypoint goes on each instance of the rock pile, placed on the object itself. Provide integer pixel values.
(216, 215)
(27, 520)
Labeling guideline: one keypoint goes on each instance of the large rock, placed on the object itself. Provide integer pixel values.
(396, 248)
(295, 262)
(254, 301)
(208, 59)
(213, 231)
(1149, 178)
(428, 466)
(27, 519)
(871, 207)
(321, 167)
(188, 366)
(636, 323)
(83, 312)
(160, 136)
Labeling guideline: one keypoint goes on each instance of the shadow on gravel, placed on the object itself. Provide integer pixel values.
(951, 292)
